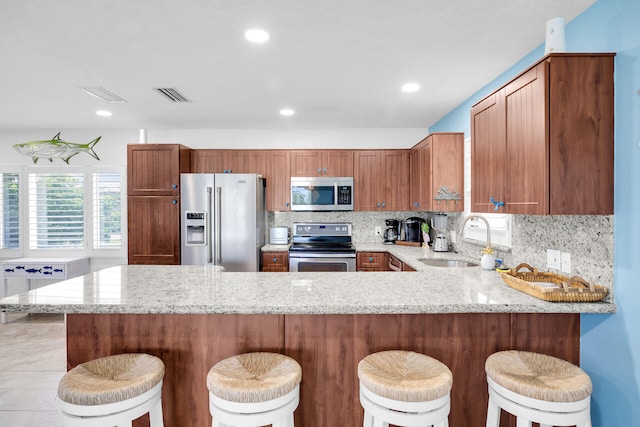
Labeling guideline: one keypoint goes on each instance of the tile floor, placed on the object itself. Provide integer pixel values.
(32, 361)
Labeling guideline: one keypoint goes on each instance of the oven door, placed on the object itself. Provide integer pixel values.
(309, 262)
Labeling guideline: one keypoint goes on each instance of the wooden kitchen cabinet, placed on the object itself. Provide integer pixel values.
(381, 179)
(437, 173)
(371, 261)
(278, 180)
(543, 143)
(154, 169)
(153, 224)
(153, 202)
(275, 261)
(321, 163)
(229, 161)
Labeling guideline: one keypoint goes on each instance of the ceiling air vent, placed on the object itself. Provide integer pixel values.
(102, 93)
(171, 94)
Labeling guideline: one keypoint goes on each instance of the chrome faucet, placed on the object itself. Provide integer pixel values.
(486, 223)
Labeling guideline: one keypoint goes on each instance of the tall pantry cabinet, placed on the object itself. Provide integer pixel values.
(543, 143)
(153, 201)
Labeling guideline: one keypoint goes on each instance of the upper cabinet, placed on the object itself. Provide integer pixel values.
(229, 161)
(543, 143)
(381, 179)
(437, 173)
(278, 180)
(154, 169)
(321, 163)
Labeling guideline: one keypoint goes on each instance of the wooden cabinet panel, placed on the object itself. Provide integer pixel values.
(381, 179)
(371, 261)
(328, 347)
(437, 163)
(154, 169)
(543, 144)
(275, 261)
(278, 180)
(153, 229)
(246, 161)
(321, 163)
(488, 153)
(207, 161)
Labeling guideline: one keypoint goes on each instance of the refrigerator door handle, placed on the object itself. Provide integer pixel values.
(208, 235)
(218, 226)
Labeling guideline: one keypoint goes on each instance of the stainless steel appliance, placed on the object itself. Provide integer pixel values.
(439, 225)
(322, 247)
(223, 220)
(321, 193)
(392, 232)
(413, 229)
(279, 235)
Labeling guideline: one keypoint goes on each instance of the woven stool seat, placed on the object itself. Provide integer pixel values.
(254, 377)
(538, 376)
(405, 375)
(111, 379)
(404, 388)
(254, 389)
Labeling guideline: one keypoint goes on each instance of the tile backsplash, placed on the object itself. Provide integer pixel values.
(589, 239)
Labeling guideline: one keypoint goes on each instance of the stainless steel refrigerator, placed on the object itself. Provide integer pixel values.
(223, 220)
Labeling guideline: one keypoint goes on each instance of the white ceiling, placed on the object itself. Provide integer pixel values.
(338, 63)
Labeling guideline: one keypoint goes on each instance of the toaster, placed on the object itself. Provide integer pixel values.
(279, 235)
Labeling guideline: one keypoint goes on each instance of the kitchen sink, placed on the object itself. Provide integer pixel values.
(447, 262)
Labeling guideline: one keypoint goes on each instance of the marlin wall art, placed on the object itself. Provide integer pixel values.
(55, 148)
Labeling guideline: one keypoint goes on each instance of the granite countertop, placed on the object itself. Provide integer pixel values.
(204, 289)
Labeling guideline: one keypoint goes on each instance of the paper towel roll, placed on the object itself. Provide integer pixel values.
(555, 41)
(143, 136)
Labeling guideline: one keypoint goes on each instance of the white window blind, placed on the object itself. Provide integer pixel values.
(10, 211)
(107, 209)
(56, 210)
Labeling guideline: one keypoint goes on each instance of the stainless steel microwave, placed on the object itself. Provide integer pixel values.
(321, 193)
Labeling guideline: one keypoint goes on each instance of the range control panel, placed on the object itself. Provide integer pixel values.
(321, 229)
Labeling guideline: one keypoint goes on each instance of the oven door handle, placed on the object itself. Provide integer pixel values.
(319, 255)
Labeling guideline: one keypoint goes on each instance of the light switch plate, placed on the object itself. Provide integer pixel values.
(565, 262)
(553, 259)
(378, 231)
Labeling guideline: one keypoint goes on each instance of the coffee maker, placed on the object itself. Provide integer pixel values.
(392, 232)
(413, 229)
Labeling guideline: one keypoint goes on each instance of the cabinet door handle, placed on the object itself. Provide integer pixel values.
(174, 201)
(384, 204)
(378, 204)
(319, 171)
(496, 205)
(174, 186)
(416, 204)
(275, 260)
(370, 259)
(286, 204)
(324, 171)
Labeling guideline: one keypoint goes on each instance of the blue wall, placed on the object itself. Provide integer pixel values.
(610, 344)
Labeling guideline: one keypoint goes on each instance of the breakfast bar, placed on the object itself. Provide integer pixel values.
(194, 316)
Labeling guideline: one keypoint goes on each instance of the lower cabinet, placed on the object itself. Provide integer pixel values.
(379, 261)
(153, 229)
(275, 261)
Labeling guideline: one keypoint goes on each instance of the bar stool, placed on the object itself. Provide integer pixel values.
(254, 389)
(112, 391)
(537, 388)
(404, 388)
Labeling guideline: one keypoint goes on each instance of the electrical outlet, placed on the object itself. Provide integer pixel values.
(553, 259)
(565, 262)
(378, 231)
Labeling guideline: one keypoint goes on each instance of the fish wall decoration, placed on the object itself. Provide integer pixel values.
(55, 148)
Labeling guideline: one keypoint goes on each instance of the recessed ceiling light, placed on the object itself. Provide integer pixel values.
(256, 35)
(104, 113)
(287, 112)
(410, 87)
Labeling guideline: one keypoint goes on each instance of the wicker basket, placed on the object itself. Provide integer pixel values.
(552, 286)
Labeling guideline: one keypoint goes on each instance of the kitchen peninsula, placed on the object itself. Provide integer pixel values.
(193, 316)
